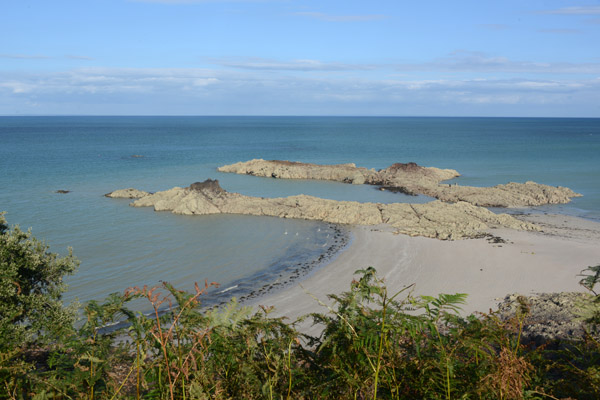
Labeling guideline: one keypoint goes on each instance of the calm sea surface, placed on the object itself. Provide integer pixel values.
(121, 246)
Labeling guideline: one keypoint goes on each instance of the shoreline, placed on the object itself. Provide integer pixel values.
(402, 242)
(292, 275)
(485, 269)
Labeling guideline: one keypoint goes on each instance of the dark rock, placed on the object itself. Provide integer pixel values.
(408, 167)
(289, 163)
(551, 317)
(209, 185)
(495, 239)
(398, 189)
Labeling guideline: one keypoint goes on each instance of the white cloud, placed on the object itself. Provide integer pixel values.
(489, 99)
(205, 81)
(468, 61)
(109, 81)
(578, 10)
(204, 91)
(457, 61)
(17, 87)
(294, 65)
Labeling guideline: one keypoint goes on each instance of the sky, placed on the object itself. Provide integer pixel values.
(300, 57)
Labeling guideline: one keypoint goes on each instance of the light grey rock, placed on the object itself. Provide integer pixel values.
(411, 178)
(435, 219)
(129, 193)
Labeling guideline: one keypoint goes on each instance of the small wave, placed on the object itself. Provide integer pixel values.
(228, 289)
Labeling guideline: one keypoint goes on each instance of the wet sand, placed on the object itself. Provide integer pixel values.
(290, 276)
(487, 269)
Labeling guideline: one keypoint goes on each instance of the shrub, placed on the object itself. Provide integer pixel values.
(31, 286)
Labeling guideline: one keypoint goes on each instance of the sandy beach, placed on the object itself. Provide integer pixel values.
(526, 263)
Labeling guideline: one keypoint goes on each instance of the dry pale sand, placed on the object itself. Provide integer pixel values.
(527, 263)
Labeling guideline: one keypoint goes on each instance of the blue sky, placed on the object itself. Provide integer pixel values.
(300, 57)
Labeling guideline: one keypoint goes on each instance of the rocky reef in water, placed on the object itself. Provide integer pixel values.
(411, 178)
(128, 193)
(435, 219)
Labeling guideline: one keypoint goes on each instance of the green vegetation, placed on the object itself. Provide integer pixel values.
(30, 288)
(374, 344)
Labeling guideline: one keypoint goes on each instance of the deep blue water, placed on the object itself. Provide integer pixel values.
(121, 246)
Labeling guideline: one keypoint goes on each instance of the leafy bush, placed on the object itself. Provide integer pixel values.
(31, 312)
(376, 346)
(575, 367)
(373, 344)
(31, 285)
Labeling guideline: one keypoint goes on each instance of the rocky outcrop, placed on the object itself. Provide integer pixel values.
(411, 178)
(395, 175)
(512, 194)
(550, 316)
(435, 219)
(129, 193)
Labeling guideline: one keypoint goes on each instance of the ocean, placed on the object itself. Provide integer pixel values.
(121, 246)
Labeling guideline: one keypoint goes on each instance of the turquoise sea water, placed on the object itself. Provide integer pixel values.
(120, 246)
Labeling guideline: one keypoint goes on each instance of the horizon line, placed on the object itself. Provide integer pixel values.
(289, 115)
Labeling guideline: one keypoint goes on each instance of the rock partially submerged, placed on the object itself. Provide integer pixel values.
(411, 178)
(512, 194)
(435, 219)
(129, 193)
(394, 176)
